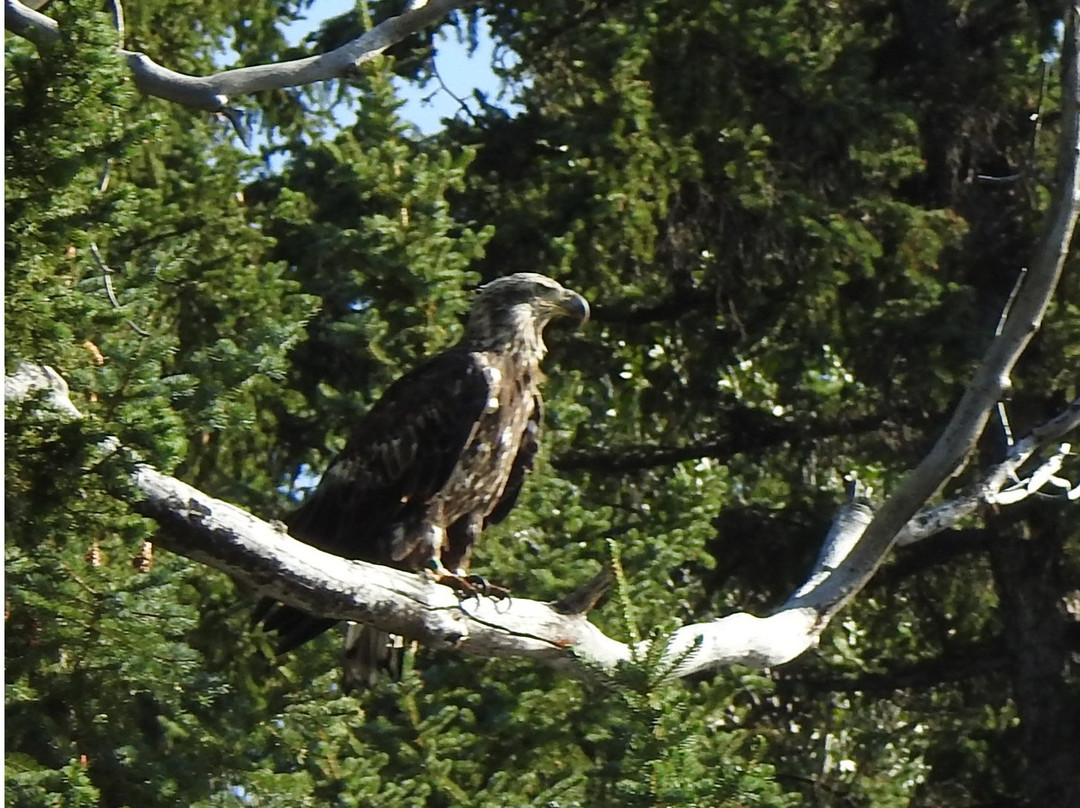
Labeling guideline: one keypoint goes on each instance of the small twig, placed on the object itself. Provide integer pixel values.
(103, 182)
(106, 270)
(1006, 427)
(86, 587)
(1036, 116)
(857, 490)
(586, 596)
(235, 116)
(1036, 119)
(1002, 413)
(107, 273)
(990, 178)
(461, 101)
(1009, 303)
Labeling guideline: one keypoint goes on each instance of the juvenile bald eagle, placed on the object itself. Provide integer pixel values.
(441, 455)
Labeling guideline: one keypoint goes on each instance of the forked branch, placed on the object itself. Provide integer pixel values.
(992, 377)
(273, 563)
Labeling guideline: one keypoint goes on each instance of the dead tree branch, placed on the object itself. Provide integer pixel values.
(273, 563)
(992, 377)
(212, 93)
(994, 487)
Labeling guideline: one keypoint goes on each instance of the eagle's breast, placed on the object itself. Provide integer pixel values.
(483, 468)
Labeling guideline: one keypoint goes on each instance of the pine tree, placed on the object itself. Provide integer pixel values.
(777, 214)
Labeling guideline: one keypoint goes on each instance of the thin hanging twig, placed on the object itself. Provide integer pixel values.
(107, 273)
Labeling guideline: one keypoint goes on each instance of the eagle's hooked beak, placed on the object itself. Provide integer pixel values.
(575, 307)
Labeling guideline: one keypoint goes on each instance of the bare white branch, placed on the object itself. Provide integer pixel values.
(989, 489)
(764, 642)
(273, 563)
(29, 379)
(991, 378)
(212, 93)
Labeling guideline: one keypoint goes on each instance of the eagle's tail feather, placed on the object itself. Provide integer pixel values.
(370, 653)
(293, 627)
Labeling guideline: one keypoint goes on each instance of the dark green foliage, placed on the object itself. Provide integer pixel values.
(776, 212)
(55, 209)
(363, 222)
(654, 741)
(149, 289)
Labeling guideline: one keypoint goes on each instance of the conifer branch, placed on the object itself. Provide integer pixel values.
(747, 430)
(970, 661)
(212, 93)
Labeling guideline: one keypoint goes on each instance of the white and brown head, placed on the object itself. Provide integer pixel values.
(510, 313)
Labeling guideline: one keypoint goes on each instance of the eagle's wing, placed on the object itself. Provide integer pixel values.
(399, 455)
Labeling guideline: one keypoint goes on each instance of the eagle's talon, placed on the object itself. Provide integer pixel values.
(488, 589)
(471, 586)
(484, 587)
(478, 582)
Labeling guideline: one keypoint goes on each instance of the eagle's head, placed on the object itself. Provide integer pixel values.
(510, 313)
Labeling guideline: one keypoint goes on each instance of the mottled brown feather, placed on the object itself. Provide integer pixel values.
(443, 453)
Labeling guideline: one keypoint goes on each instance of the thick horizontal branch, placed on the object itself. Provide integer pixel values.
(273, 563)
(267, 559)
(212, 93)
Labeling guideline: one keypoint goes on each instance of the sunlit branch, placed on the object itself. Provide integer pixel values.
(992, 377)
(212, 93)
(272, 563)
